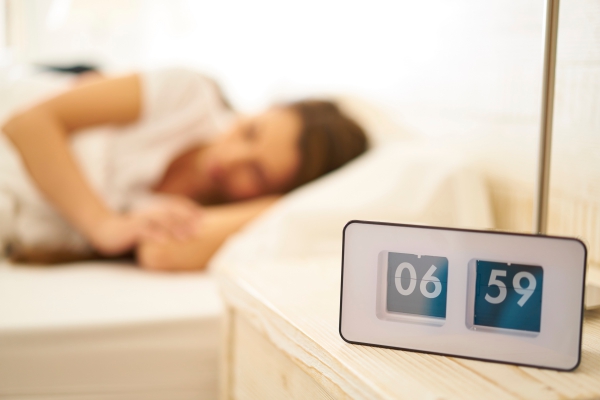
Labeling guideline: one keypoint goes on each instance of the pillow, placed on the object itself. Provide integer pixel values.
(405, 182)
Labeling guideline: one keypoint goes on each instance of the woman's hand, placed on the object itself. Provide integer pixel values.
(170, 219)
(173, 220)
(207, 234)
(117, 234)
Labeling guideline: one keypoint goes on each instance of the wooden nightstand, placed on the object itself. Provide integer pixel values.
(282, 341)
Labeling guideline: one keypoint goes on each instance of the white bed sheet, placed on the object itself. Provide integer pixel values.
(107, 330)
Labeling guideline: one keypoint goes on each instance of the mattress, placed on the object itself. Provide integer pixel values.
(107, 330)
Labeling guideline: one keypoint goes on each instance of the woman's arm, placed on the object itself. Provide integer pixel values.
(216, 225)
(41, 134)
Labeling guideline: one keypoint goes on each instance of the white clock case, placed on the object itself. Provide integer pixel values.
(363, 321)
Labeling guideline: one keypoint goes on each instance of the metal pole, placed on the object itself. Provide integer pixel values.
(549, 65)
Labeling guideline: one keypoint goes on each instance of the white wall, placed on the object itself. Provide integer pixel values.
(419, 52)
(3, 31)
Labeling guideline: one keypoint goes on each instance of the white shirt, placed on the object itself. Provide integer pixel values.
(180, 109)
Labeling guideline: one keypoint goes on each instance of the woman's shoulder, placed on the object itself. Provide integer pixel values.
(176, 88)
(175, 75)
(182, 81)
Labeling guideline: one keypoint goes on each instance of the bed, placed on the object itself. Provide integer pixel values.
(107, 330)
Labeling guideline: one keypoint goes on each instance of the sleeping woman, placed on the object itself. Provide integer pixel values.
(173, 175)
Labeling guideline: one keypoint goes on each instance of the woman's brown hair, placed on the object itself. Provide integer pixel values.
(328, 139)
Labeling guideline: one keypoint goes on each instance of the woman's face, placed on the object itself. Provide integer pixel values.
(257, 156)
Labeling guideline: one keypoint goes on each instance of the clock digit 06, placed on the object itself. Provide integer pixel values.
(417, 284)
